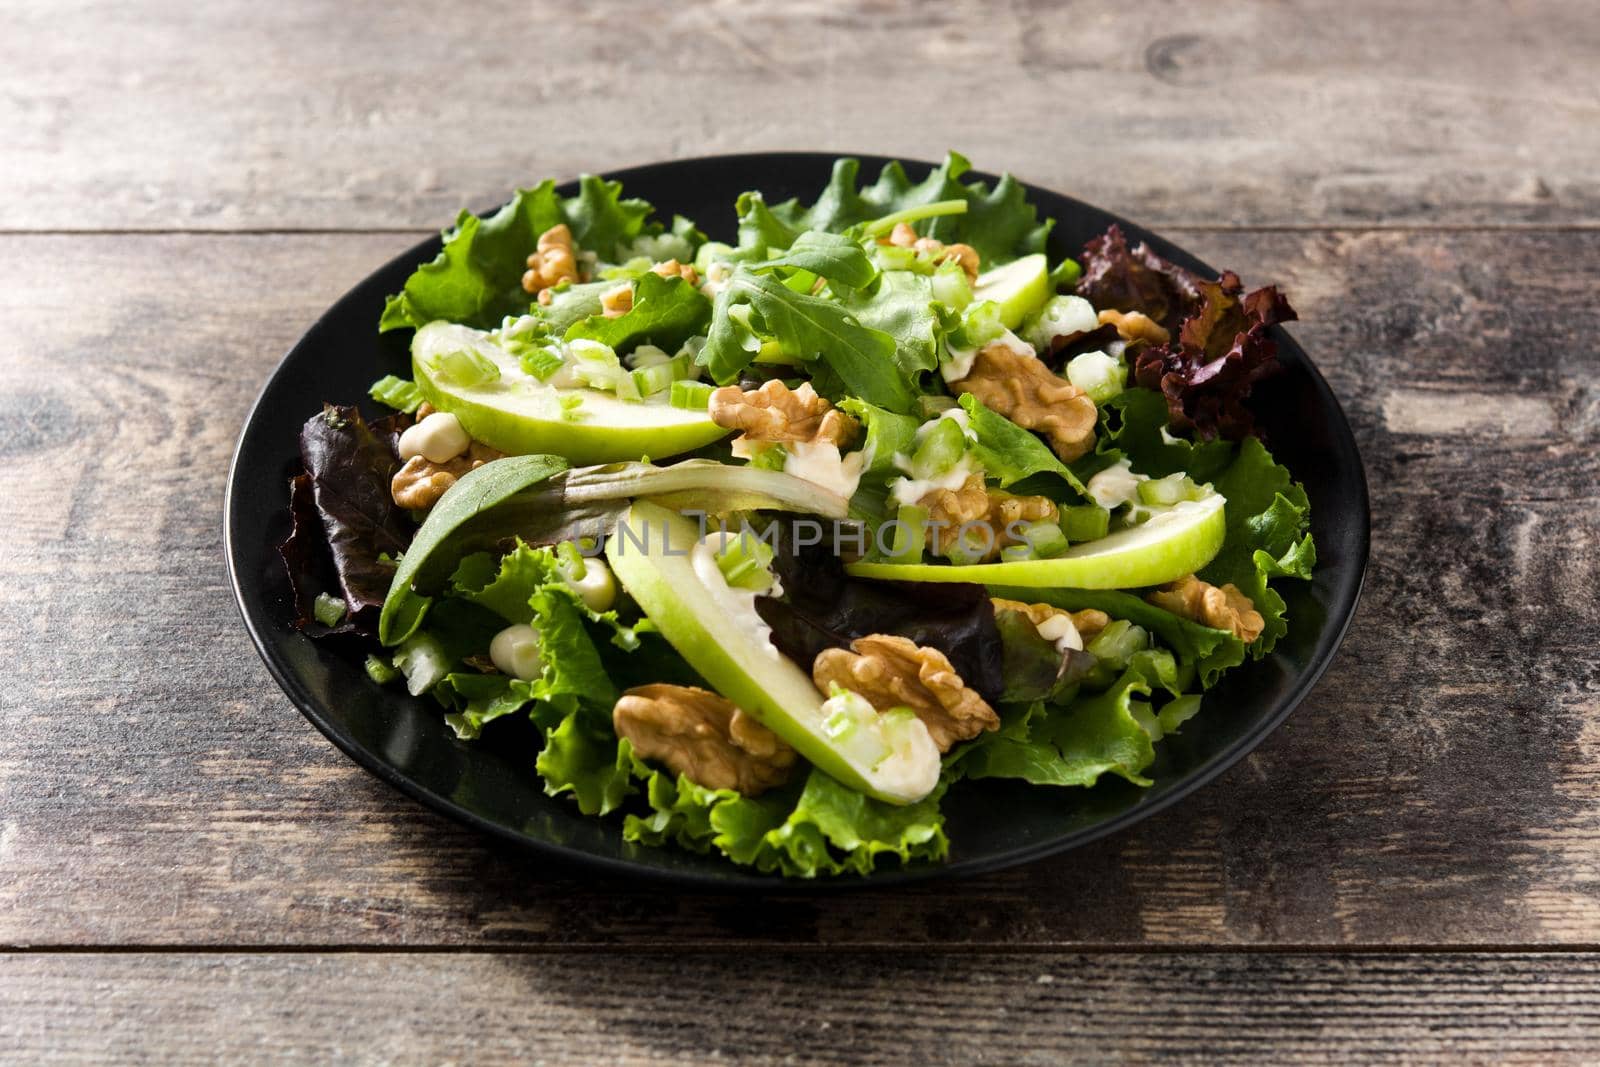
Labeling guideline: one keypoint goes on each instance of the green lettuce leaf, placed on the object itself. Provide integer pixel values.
(1268, 514)
(807, 829)
(1134, 425)
(903, 307)
(666, 312)
(999, 222)
(811, 328)
(477, 277)
(580, 757)
(1068, 746)
(1008, 452)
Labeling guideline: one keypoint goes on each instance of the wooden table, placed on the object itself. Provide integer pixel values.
(1411, 866)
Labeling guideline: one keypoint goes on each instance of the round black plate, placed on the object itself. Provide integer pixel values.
(491, 785)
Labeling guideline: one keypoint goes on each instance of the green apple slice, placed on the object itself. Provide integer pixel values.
(1021, 287)
(1176, 541)
(520, 415)
(656, 556)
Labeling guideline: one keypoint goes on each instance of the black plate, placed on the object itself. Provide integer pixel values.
(491, 786)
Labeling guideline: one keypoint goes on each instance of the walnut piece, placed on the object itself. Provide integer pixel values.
(971, 502)
(554, 262)
(1136, 326)
(892, 672)
(903, 236)
(1088, 622)
(1221, 609)
(673, 269)
(703, 737)
(419, 484)
(777, 413)
(1024, 390)
(617, 302)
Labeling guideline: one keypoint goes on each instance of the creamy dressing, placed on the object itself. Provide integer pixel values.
(1060, 630)
(1115, 486)
(820, 463)
(907, 490)
(737, 605)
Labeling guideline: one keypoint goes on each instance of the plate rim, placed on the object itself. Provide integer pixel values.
(736, 877)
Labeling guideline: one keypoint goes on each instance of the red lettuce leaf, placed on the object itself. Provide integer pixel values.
(1136, 279)
(822, 607)
(1220, 352)
(344, 520)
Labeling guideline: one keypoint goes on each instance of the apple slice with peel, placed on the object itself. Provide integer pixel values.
(520, 415)
(1021, 287)
(1175, 542)
(656, 555)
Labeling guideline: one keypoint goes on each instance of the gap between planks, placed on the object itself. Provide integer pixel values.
(723, 947)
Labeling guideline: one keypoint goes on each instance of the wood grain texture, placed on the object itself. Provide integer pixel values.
(1439, 787)
(841, 1008)
(392, 114)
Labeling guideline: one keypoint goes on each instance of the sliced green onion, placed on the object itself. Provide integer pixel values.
(1085, 523)
(328, 609)
(883, 225)
(691, 396)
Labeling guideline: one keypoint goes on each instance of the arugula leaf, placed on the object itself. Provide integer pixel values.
(810, 328)
(1010, 453)
(839, 259)
(477, 277)
(999, 223)
(666, 312)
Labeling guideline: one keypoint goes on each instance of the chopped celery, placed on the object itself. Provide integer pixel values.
(328, 609)
(1066, 274)
(1100, 375)
(657, 377)
(980, 324)
(933, 406)
(1085, 523)
(745, 561)
(691, 396)
(596, 365)
(1115, 645)
(951, 286)
(770, 458)
(541, 363)
(1164, 492)
(971, 546)
(396, 393)
(1045, 539)
(381, 671)
(910, 531)
(1017, 553)
(424, 662)
(941, 448)
(893, 257)
(465, 367)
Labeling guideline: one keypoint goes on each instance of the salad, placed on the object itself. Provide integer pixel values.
(775, 542)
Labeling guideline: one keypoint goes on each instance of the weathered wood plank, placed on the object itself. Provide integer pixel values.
(838, 1008)
(311, 114)
(1440, 786)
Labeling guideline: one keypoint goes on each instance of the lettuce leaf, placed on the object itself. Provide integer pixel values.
(999, 222)
(812, 328)
(1071, 746)
(835, 257)
(903, 307)
(820, 828)
(477, 277)
(666, 312)
(1134, 426)
(1010, 453)
(1136, 279)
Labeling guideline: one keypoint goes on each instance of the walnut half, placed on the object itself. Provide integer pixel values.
(1024, 390)
(703, 737)
(553, 262)
(775, 412)
(1088, 622)
(1221, 609)
(419, 484)
(950, 509)
(892, 672)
